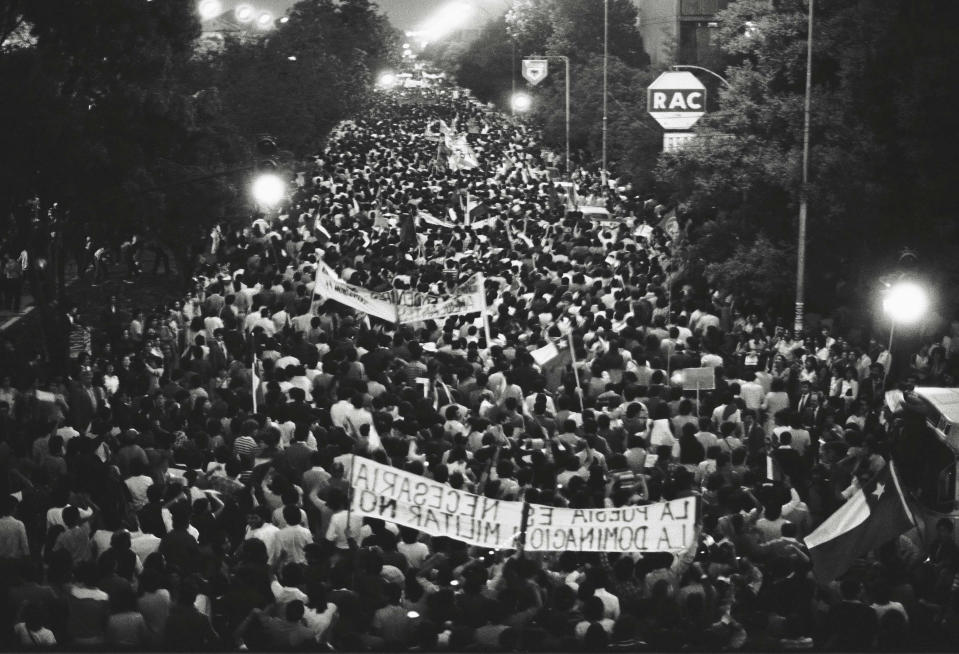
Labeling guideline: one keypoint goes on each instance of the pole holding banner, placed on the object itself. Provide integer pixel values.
(481, 280)
(349, 496)
(254, 381)
(572, 356)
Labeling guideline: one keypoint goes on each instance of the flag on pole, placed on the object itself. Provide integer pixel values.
(874, 515)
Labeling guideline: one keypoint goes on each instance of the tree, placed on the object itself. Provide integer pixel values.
(486, 65)
(316, 69)
(633, 137)
(124, 123)
(880, 84)
(572, 28)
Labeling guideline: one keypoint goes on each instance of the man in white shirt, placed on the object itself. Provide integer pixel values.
(292, 539)
(752, 392)
(138, 484)
(339, 413)
(262, 529)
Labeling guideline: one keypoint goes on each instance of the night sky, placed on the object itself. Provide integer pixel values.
(404, 14)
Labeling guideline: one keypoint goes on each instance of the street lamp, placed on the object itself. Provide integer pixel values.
(245, 13)
(386, 80)
(605, 86)
(521, 102)
(210, 9)
(265, 20)
(565, 61)
(804, 189)
(905, 302)
(268, 189)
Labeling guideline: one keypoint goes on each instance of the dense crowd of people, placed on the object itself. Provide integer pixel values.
(181, 485)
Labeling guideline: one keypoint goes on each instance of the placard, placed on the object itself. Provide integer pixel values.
(397, 496)
(662, 527)
(699, 379)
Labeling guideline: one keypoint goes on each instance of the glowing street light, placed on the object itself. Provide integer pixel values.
(386, 80)
(268, 189)
(521, 102)
(245, 13)
(265, 20)
(285, 19)
(905, 302)
(446, 20)
(210, 9)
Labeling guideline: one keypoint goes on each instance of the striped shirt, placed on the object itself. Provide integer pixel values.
(244, 445)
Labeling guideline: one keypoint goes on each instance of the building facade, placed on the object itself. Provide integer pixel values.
(680, 31)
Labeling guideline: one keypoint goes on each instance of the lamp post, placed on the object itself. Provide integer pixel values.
(804, 189)
(565, 61)
(513, 69)
(605, 85)
(906, 302)
(705, 70)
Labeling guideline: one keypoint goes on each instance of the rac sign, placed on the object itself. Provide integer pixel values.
(676, 100)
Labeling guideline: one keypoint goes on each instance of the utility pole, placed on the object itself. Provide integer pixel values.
(605, 71)
(804, 189)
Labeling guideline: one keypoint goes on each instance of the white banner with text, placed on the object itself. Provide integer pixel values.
(663, 527)
(394, 495)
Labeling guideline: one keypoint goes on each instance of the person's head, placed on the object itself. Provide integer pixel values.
(33, 616)
(850, 589)
(294, 611)
(291, 514)
(71, 516)
(945, 528)
(593, 609)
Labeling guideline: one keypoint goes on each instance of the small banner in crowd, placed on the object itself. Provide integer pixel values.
(413, 306)
(699, 379)
(353, 296)
(395, 495)
(662, 527)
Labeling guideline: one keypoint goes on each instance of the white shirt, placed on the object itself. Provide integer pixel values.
(267, 533)
(138, 489)
(290, 544)
(752, 394)
(337, 531)
(320, 622)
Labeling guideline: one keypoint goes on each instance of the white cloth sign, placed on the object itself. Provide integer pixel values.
(662, 527)
(395, 495)
(545, 354)
(353, 296)
(702, 379)
(413, 306)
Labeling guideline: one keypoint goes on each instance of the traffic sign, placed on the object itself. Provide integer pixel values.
(676, 100)
(535, 70)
